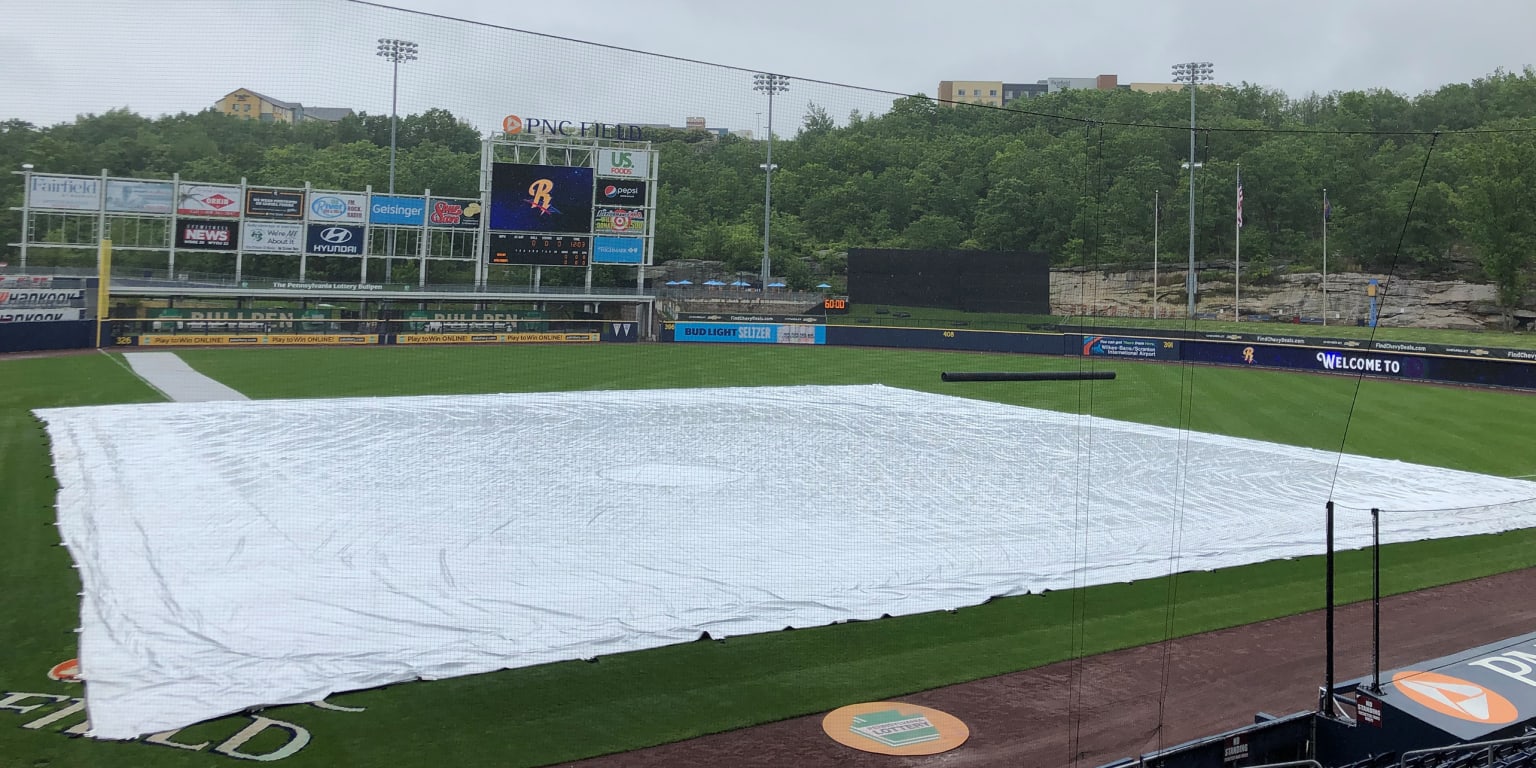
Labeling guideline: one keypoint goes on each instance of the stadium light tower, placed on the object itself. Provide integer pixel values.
(1193, 74)
(771, 85)
(394, 51)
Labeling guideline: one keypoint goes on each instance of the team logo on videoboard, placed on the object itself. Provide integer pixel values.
(541, 198)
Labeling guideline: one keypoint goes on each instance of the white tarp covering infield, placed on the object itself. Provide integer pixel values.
(238, 554)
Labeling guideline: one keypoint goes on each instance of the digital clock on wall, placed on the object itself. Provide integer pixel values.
(835, 305)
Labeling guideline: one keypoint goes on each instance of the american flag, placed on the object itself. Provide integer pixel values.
(1239, 200)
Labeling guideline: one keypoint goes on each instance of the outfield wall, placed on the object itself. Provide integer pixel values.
(1477, 367)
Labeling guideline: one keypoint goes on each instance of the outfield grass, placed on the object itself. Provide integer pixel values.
(925, 317)
(558, 712)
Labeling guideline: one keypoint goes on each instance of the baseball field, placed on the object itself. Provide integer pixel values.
(560, 712)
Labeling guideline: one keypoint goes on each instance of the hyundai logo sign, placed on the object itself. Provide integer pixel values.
(336, 235)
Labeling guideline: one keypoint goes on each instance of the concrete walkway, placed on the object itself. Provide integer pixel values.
(176, 380)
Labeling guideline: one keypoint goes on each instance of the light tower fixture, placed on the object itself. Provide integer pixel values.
(395, 51)
(1192, 74)
(772, 85)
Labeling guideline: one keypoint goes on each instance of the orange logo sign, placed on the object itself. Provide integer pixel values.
(1456, 697)
(512, 124)
(66, 671)
(541, 195)
(895, 728)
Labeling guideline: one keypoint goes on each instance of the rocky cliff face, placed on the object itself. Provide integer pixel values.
(1401, 302)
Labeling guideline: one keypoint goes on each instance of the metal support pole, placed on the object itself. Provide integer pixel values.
(771, 85)
(1375, 600)
(1326, 705)
(1190, 284)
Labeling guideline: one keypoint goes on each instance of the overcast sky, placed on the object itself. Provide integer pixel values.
(59, 58)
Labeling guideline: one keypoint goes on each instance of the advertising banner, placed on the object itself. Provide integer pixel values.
(624, 162)
(71, 193)
(272, 237)
(293, 339)
(621, 332)
(743, 333)
(625, 192)
(453, 212)
(496, 338)
(618, 250)
(140, 196)
(274, 204)
(26, 281)
(1142, 349)
(397, 211)
(26, 297)
(541, 198)
(621, 220)
(341, 207)
(334, 240)
(208, 200)
(39, 315)
(206, 235)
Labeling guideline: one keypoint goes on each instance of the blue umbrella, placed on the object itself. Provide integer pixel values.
(740, 283)
(776, 285)
(713, 282)
(671, 282)
(823, 285)
(685, 282)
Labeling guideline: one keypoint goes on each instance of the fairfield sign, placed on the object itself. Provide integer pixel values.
(514, 125)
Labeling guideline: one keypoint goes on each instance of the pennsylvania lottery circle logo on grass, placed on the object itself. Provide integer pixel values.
(895, 728)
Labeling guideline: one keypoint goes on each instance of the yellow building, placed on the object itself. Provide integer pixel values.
(1156, 87)
(989, 92)
(251, 105)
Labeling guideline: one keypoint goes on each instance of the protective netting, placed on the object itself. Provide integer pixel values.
(255, 565)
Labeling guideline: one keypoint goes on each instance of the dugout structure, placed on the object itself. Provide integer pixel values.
(1017, 282)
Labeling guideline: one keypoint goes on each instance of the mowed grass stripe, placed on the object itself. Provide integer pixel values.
(559, 712)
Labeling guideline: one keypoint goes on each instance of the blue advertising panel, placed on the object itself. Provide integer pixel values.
(618, 250)
(397, 211)
(334, 240)
(1306, 359)
(1130, 347)
(750, 333)
(936, 338)
(541, 198)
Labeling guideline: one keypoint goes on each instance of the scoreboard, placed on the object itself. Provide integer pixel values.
(541, 250)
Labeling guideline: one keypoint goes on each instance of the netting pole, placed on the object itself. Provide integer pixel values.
(1325, 706)
(1375, 600)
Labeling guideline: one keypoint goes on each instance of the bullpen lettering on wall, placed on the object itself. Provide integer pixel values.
(206, 235)
(397, 211)
(334, 240)
(750, 333)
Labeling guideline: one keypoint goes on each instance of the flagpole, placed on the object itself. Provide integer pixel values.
(1237, 257)
(1157, 214)
(1325, 257)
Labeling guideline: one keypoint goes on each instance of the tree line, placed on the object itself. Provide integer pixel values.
(1073, 174)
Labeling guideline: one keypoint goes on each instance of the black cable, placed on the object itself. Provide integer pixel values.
(1402, 235)
(899, 94)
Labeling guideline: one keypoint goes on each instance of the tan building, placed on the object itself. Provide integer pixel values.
(248, 104)
(989, 92)
(1156, 87)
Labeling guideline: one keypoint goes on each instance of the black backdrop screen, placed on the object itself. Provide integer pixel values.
(974, 281)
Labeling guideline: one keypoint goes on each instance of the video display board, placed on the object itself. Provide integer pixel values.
(541, 198)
